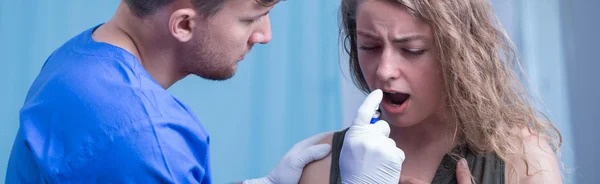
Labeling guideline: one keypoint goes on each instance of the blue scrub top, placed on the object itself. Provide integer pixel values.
(94, 115)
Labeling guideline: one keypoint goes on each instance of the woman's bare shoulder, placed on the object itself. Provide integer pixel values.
(542, 164)
(318, 171)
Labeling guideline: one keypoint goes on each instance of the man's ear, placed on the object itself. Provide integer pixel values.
(182, 23)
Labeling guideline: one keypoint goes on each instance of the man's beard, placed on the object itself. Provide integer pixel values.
(203, 59)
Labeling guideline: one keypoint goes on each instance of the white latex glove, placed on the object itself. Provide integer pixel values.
(290, 167)
(368, 154)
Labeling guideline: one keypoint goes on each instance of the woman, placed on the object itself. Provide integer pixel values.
(446, 69)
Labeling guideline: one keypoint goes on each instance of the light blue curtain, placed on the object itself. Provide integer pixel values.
(544, 53)
(535, 27)
(282, 93)
(29, 32)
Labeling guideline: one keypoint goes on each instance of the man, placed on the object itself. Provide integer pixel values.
(99, 112)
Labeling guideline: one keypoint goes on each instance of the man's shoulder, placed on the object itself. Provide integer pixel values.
(76, 81)
(72, 90)
(105, 98)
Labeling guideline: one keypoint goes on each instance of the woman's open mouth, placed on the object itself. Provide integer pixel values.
(395, 102)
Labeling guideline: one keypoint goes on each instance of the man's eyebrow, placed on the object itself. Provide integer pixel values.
(261, 15)
(268, 3)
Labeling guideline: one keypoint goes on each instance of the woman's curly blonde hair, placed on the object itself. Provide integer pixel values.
(479, 64)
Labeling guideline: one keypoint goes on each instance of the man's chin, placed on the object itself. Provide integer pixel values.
(218, 76)
(221, 78)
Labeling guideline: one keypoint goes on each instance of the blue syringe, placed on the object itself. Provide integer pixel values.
(375, 117)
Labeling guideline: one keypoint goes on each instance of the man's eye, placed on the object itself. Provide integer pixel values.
(251, 21)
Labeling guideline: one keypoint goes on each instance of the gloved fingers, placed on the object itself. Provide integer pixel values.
(310, 154)
(390, 143)
(396, 153)
(264, 180)
(382, 127)
(368, 107)
(400, 154)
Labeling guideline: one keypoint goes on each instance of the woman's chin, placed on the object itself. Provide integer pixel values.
(401, 122)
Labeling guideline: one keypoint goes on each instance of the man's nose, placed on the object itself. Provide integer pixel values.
(262, 34)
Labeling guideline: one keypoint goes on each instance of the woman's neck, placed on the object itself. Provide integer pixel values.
(424, 144)
(435, 134)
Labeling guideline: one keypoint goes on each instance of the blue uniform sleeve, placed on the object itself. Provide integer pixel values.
(152, 152)
(106, 137)
(94, 115)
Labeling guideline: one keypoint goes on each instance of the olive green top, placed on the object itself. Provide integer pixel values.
(486, 169)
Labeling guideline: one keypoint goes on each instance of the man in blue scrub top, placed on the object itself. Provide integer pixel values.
(99, 112)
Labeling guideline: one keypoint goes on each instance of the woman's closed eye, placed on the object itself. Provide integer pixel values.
(414, 52)
(367, 47)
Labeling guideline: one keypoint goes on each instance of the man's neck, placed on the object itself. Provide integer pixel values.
(133, 35)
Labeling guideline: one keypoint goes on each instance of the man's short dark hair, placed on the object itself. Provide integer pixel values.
(142, 8)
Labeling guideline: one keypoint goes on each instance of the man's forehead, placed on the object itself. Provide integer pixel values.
(248, 6)
(268, 3)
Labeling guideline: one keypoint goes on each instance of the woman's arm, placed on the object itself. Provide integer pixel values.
(318, 172)
(543, 166)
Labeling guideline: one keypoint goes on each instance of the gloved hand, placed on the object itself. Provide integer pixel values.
(289, 169)
(368, 154)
